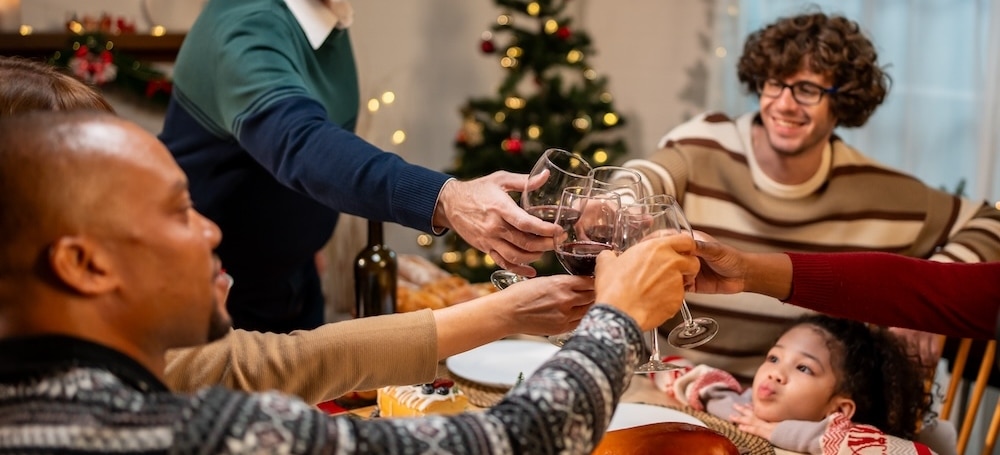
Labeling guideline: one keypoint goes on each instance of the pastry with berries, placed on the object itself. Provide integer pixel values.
(440, 397)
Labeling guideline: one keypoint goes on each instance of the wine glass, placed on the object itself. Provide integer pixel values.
(626, 182)
(650, 214)
(589, 218)
(564, 169)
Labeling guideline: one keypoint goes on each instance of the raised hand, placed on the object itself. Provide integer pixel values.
(483, 214)
(549, 304)
(647, 280)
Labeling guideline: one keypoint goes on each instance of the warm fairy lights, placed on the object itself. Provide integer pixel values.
(551, 26)
(534, 131)
(574, 56)
(610, 119)
(533, 8)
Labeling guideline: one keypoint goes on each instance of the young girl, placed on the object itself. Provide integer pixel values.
(822, 385)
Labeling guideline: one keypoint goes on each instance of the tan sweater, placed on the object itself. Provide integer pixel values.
(317, 365)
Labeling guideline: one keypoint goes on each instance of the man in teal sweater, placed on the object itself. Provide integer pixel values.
(261, 119)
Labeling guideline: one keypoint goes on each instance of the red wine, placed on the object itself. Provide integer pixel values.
(580, 258)
(568, 217)
(601, 234)
(375, 270)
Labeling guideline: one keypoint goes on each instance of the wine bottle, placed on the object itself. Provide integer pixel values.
(375, 270)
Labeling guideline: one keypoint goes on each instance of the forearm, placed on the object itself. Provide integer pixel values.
(317, 365)
(471, 324)
(303, 150)
(953, 299)
(769, 274)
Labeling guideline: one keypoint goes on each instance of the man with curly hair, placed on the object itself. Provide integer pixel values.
(779, 179)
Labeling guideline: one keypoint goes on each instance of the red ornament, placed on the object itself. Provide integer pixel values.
(563, 33)
(512, 145)
(487, 46)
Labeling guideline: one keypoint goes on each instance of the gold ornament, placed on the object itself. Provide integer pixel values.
(472, 131)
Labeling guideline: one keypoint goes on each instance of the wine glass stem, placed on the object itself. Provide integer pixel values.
(686, 314)
(654, 346)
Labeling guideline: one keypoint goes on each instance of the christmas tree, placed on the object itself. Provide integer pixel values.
(550, 97)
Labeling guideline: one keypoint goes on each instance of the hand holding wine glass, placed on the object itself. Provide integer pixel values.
(561, 169)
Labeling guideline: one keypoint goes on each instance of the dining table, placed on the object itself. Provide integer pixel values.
(642, 390)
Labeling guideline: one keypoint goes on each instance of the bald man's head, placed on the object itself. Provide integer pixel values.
(99, 231)
(51, 182)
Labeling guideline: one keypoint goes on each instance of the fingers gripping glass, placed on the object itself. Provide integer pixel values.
(564, 169)
(804, 92)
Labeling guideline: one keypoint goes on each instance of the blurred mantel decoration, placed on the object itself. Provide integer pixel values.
(105, 52)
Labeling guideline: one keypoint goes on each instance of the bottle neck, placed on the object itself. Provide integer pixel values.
(375, 236)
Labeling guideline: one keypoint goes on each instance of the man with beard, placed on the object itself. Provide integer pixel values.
(105, 265)
(779, 179)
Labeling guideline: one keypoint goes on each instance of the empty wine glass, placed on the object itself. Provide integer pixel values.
(648, 215)
(626, 182)
(589, 218)
(564, 169)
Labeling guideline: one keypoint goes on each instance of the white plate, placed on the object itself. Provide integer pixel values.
(630, 415)
(498, 363)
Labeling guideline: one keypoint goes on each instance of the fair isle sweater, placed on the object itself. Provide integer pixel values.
(852, 204)
(60, 394)
(262, 124)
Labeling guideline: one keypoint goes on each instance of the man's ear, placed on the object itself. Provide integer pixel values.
(82, 265)
(843, 405)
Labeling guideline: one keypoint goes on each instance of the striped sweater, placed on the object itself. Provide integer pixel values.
(852, 204)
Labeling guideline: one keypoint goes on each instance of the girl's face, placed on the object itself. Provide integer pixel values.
(796, 380)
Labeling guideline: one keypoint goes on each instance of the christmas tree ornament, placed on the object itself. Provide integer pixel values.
(487, 46)
(563, 33)
(472, 132)
(486, 42)
(512, 145)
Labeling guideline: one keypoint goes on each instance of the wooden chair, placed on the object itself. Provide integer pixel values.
(974, 398)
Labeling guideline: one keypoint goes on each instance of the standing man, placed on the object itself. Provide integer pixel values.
(779, 180)
(261, 119)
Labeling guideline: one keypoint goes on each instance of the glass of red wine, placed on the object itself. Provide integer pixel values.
(564, 169)
(589, 218)
(662, 213)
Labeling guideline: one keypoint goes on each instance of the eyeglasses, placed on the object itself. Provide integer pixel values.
(804, 92)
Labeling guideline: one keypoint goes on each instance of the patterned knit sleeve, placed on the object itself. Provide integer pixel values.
(563, 407)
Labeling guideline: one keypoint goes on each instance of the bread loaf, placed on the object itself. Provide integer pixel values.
(422, 284)
(670, 438)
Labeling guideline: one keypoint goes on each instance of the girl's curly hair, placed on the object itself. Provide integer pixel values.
(874, 370)
(829, 45)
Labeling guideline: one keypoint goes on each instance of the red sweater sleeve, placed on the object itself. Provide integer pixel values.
(960, 300)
